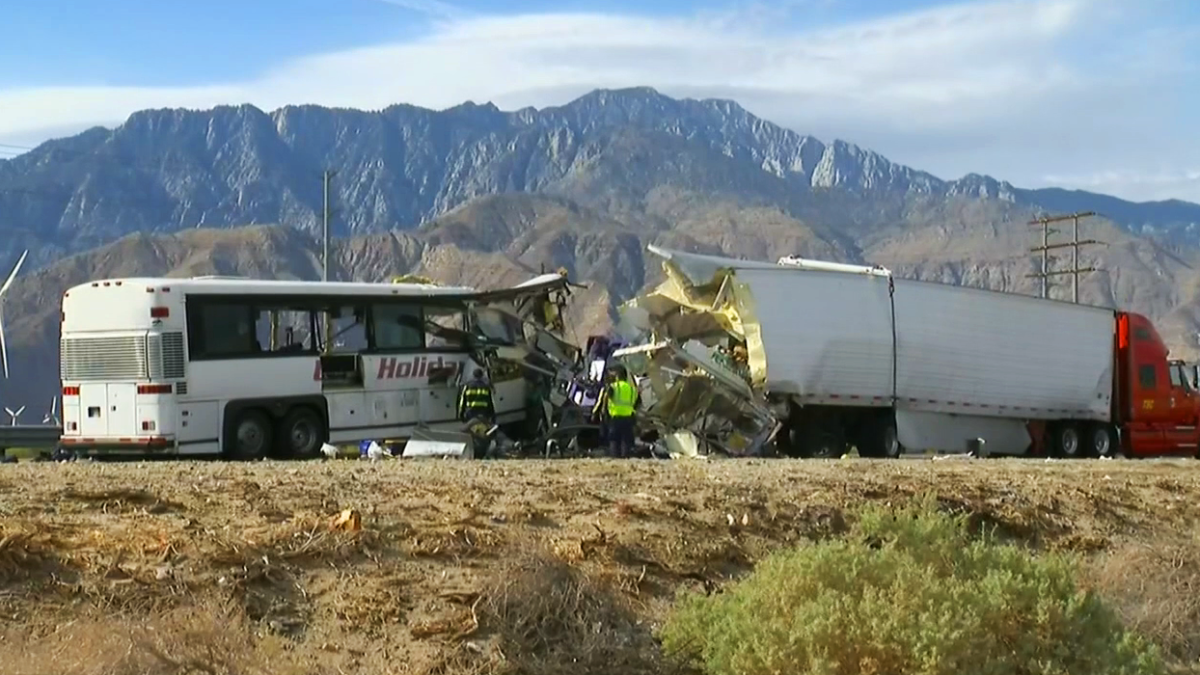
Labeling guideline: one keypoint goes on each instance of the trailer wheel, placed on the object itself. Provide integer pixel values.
(1067, 441)
(822, 440)
(788, 442)
(1100, 441)
(881, 440)
(251, 437)
(301, 433)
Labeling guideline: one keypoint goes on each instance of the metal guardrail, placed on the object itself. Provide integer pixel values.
(29, 436)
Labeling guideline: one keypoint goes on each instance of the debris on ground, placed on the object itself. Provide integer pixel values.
(126, 550)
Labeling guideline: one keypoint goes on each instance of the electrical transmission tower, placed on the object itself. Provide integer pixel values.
(1075, 270)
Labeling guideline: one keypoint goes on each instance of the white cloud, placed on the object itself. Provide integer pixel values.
(1152, 184)
(1021, 89)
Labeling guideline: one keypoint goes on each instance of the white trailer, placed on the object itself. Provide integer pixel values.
(860, 358)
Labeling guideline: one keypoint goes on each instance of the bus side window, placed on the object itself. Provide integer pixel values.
(396, 326)
(219, 330)
(348, 324)
(445, 328)
(283, 331)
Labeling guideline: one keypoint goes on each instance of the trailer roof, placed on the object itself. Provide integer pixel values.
(701, 268)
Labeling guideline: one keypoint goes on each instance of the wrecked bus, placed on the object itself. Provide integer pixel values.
(244, 368)
(847, 355)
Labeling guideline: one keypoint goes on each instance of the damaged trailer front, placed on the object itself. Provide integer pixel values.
(693, 405)
(846, 355)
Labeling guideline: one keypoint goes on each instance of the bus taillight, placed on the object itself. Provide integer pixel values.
(154, 389)
(160, 312)
(147, 425)
(70, 391)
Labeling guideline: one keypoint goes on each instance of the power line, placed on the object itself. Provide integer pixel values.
(1075, 270)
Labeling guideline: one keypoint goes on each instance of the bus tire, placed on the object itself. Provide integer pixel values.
(300, 433)
(251, 436)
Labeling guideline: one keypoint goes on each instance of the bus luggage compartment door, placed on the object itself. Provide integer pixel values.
(93, 407)
(122, 410)
(108, 410)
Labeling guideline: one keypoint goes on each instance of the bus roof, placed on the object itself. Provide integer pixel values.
(243, 286)
(280, 287)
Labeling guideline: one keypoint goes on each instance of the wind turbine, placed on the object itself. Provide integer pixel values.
(14, 415)
(3, 289)
(52, 416)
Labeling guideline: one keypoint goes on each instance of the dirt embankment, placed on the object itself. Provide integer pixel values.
(467, 567)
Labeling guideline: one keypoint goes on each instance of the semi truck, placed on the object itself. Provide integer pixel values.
(850, 355)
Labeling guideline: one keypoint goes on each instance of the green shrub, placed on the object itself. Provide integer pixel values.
(908, 592)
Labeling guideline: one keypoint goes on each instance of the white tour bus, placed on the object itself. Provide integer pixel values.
(236, 367)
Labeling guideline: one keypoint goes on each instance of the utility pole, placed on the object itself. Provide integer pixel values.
(1074, 244)
(327, 176)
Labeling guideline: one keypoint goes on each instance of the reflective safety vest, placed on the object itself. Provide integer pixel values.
(476, 396)
(621, 399)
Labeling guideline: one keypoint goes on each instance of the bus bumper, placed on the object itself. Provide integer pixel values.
(156, 445)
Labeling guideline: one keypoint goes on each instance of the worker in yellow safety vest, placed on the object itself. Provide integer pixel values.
(616, 406)
(475, 399)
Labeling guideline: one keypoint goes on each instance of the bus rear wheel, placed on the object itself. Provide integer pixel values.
(251, 436)
(301, 434)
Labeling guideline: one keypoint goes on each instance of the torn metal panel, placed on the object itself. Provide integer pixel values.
(522, 326)
(437, 443)
(700, 269)
(682, 389)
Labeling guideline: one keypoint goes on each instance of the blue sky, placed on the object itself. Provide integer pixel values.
(1099, 94)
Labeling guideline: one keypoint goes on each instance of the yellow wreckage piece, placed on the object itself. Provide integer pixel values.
(722, 304)
(413, 279)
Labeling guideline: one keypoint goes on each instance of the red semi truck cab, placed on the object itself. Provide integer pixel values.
(1155, 406)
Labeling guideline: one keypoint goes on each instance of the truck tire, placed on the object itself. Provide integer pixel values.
(881, 440)
(788, 442)
(250, 437)
(300, 434)
(822, 441)
(1101, 441)
(1068, 442)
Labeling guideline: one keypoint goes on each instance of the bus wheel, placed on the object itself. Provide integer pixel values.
(301, 434)
(251, 436)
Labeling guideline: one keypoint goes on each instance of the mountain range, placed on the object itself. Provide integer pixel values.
(480, 196)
